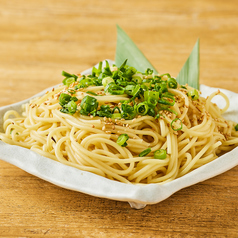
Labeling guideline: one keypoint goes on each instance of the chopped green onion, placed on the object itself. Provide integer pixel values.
(147, 93)
(108, 85)
(236, 127)
(69, 78)
(174, 120)
(166, 102)
(107, 80)
(97, 71)
(115, 89)
(67, 75)
(158, 115)
(71, 91)
(170, 110)
(123, 65)
(167, 75)
(64, 98)
(72, 107)
(105, 111)
(193, 94)
(162, 87)
(129, 72)
(145, 152)
(122, 139)
(92, 93)
(88, 105)
(151, 94)
(128, 111)
(138, 77)
(116, 116)
(160, 154)
(129, 89)
(149, 71)
(68, 81)
(106, 70)
(152, 102)
(68, 103)
(116, 108)
(136, 91)
(172, 83)
(142, 108)
(151, 112)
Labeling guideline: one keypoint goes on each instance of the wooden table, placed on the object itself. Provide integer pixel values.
(39, 39)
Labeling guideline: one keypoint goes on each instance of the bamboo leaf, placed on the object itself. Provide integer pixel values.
(126, 49)
(190, 72)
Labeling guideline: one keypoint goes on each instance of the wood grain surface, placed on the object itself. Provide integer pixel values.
(39, 39)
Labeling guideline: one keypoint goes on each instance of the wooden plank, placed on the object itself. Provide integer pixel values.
(39, 39)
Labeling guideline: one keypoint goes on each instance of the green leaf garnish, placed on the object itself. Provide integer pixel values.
(126, 49)
(189, 74)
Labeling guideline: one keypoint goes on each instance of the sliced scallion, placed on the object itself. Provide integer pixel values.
(173, 122)
(116, 115)
(92, 93)
(115, 89)
(72, 107)
(160, 154)
(122, 139)
(142, 108)
(193, 94)
(172, 83)
(107, 80)
(145, 152)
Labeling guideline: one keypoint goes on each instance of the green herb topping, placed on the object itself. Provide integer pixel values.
(147, 94)
(68, 103)
(173, 122)
(160, 154)
(145, 152)
(122, 139)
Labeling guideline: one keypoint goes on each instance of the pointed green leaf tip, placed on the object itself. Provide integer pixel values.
(126, 49)
(190, 72)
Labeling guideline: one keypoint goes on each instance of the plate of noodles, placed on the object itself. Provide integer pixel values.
(117, 133)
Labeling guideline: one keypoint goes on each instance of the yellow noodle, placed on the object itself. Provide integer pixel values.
(90, 143)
